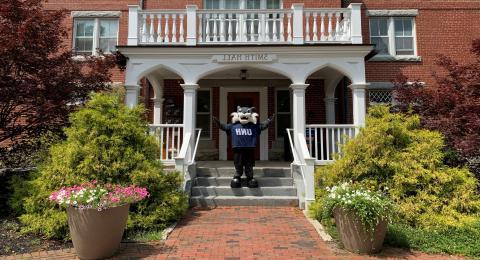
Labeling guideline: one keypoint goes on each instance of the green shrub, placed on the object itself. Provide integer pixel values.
(106, 142)
(394, 153)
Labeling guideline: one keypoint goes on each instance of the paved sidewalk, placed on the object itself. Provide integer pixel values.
(237, 233)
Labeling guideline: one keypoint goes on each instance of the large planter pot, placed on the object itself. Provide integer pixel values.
(355, 237)
(97, 234)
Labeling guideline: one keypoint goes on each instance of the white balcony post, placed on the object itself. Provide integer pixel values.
(298, 24)
(157, 110)
(131, 96)
(133, 24)
(298, 93)
(192, 25)
(189, 115)
(356, 23)
(330, 109)
(359, 103)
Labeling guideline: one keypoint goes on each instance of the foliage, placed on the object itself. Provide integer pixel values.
(451, 105)
(91, 195)
(106, 142)
(394, 153)
(371, 207)
(39, 80)
(452, 240)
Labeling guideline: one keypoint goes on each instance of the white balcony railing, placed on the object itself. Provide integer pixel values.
(294, 25)
(324, 141)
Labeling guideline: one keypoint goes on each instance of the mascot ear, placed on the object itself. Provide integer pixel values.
(239, 109)
(253, 109)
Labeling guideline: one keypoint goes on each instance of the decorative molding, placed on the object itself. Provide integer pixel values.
(406, 12)
(381, 85)
(81, 14)
(396, 58)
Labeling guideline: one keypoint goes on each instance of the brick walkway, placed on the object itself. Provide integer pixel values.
(237, 233)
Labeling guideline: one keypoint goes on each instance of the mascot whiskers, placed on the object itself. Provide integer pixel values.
(244, 131)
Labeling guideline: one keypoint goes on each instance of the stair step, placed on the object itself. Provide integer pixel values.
(243, 191)
(271, 201)
(262, 181)
(229, 171)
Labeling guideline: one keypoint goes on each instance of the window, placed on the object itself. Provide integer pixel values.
(283, 116)
(204, 113)
(393, 36)
(92, 34)
(380, 96)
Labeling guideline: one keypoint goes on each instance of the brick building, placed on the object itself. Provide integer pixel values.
(316, 64)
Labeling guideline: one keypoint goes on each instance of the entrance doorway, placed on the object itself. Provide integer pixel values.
(245, 99)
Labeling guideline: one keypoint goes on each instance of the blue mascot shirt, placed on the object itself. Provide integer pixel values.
(243, 135)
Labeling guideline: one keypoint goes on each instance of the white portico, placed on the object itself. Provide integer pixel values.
(285, 58)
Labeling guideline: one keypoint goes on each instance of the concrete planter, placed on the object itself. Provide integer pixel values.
(355, 237)
(97, 234)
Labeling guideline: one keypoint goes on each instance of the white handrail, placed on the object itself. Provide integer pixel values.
(323, 141)
(196, 144)
(169, 137)
(292, 147)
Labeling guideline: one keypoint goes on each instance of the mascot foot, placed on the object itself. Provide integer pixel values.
(236, 183)
(252, 183)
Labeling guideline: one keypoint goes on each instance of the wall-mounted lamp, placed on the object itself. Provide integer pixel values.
(243, 74)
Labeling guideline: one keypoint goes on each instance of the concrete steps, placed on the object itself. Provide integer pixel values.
(211, 188)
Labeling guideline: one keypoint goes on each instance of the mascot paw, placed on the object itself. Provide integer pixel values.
(236, 183)
(252, 183)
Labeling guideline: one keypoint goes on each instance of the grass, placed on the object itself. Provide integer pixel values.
(144, 236)
(455, 241)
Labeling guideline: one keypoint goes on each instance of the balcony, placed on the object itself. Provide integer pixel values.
(296, 25)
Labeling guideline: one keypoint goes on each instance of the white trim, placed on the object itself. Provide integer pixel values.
(206, 89)
(96, 33)
(405, 12)
(392, 56)
(95, 14)
(276, 89)
(223, 113)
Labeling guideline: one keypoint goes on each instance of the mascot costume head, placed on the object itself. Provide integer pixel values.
(244, 131)
(244, 115)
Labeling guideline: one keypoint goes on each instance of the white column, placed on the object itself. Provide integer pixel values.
(330, 109)
(189, 114)
(356, 22)
(157, 110)
(192, 25)
(359, 103)
(133, 24)
(131, 95)
(298, 98)
(297, 23)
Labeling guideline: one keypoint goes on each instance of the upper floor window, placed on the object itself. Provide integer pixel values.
(393, 36)
(242, 4)
(95, 34)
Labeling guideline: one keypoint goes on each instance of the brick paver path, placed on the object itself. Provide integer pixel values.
(237, 233)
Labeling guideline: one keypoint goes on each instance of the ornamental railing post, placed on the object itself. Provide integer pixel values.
(192, 25)
(298, 24)
(133, 24)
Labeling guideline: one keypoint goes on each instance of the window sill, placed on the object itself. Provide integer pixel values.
(396, 58)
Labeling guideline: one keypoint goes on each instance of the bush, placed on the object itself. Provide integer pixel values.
(393, 153)
(106, 142)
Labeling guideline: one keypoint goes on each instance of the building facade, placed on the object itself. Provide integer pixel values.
(316, 64)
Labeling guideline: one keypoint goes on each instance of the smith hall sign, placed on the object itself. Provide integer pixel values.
(234, 58)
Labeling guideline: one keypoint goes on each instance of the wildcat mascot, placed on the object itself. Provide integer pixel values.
(244, 131)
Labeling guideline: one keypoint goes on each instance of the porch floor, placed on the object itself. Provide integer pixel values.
(229, 164)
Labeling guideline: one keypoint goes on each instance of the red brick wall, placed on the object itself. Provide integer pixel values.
(314, 103)
(172, 89)
(443, 27)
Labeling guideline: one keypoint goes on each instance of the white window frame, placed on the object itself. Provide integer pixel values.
(391, 37)
(281, 113)
(209, 90)
(243, 4)
(96, 32)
